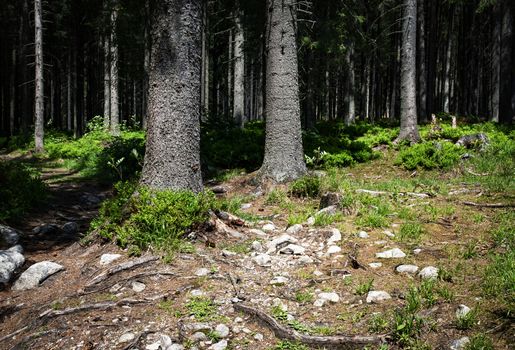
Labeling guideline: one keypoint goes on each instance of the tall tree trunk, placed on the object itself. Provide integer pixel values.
(115, 114)
(107, 83)
(506, 112)
(228, 100)
(205, 62)
(12, 82)
(350, 116)
(409, 130)
(496, 62)
(422, 71)
(39, 84)
(284, 157)
(172, 157)
(146, 67)
(239, 73)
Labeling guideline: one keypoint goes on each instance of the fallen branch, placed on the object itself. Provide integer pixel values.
(10, 335)
(490, 205)
(333, 342)
(127, 280)
(121, 267)
(24, 342)
(382, 193)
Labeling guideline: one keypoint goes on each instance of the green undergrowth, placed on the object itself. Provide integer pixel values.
(138, 218)
(21, 189)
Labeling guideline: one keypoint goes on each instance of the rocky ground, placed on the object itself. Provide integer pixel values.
(320, 281)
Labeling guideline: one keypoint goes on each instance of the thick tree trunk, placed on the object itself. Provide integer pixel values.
(422, 71)
(284, 157)
(239, 73)
(409, 130)
(172, 157)
(115, 114)
(39, 84)
(205, 63)
(146, 67)
(350, 116)
(12, 102)
(496, 62)
(228, 100)
(506, 112)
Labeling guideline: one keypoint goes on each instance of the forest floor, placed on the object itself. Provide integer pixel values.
(321, 289)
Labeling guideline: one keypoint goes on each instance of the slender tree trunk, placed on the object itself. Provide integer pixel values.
(172, 157)
(350, 116)
(239, 73)
(39, 84)
(115, 114)
(228, 100)
(496, 62)
(74, 94)
(284, 157)
(409, 130)
(506, 112)
(107, 83)
(12, 104)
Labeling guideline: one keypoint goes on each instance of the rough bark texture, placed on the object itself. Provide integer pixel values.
(239, 77)
(422, 70)
(351, 109)
(496, 61)
(284, 157)
(506, 112)
(107, 83)
(172, 158)
(409, 130)
(39, 93)
(115, 114)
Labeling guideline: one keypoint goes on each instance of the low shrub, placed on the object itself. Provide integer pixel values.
(305, 187)
(429, 155)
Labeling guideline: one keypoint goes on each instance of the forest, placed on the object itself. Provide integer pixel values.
(274, 174)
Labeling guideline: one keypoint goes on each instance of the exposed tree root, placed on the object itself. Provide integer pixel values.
(102, 287)
(24, 342)
(490, 205)
(330, 342)
(119, 268)
(382, 193)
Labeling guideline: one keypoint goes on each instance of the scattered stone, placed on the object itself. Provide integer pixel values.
(411, 269)
(257, 232)
(196, 293)
(330, 210)
(417, 251)
(329, 296)
(319, 303)
(257, 246)
(106, 259)
(330, 199)
(262, 259)
(428, 273)
(377, 296)
(310, 221)
(394, 253)
(280, 242)
(336, 236)
(318, 273)
(46, 229)
(221, 345)
(293, 230)
(362, 234)
(246, 206)
(90, 199)
(334, 249)
(36, 274)
(70, 228)
(8, 236)
(138, 287)
(305, 260)
(258, 337)
(389, 233)
(279, 281)
(459, 344)
(222, 331)
(462, 311)
(127, 337)
(381, 242)
(228, 253)
(164, 343)
(293, 249)
(10, 260)
(202, 272)
(269, 228)
(375, 265)
(199, 327)
(197, 337)
(176, 347)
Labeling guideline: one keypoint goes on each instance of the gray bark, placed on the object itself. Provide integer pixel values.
(409, 130)
(422, 71)
(506, 112)
(284, 156)
(239, 74)
(115, 117)
(39, 87)
(228, 100)
(12, 102)
(107, 83)
(172, 157)
(205, 64)
(496, 62)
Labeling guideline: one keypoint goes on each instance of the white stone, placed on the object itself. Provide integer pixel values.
(279, 281)
(377, 296)
(138, 286)
(176, 347)
(292, 230)
(106, 259)
(363, 234)
(10, 260)
(411, 269)
(336, 236)
(428, 273)
(329, 296)
(246, 206)
(258, 337)
(462, 311)
(310, 221)
(333, 250)
(268, 228)
(293, 249)
(394, 253)
(459, 344)
(318, 273)
(280, 241)
(305, 260)
(389, 233)
(8, 236)
(257, 232)
(127, 337)
(417, 251)
(375, 265)
(257, 246)
(381, 242)
(330, 210)
(262, 259)
(227, 253)
(202, 272)
(319, 303)
(196, 293)
(222, 330)
(221, 345)
(36, 274)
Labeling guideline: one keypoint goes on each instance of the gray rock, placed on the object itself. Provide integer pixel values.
(10, 260)
(126, 337)
(222, 330)
(198, 337)
(35, 274)
(221, 345)
(329, 296)
(411, 269)
(246, 206)
(257, 232)
(280, 242)
(257, 246)
(462, 311)
(176, 347)
(389, 233)
(292, 230)
(8, 236)
(262, 259)
(310, 221)
(198, 327)
(417, 251)
(258, 337)
(330, 210)
(459, 344)
(362, 234)
(46, 230)
(428, 273)
(138, 287)
(334, 249)
(70, 228)
(394, 253)
(375, 265)
(269, 228)
(202, 272)
(228, 253)
(163, 343)
(279, 281)
(336, 236)
(305, 260)
(106, 259)
(293, 249)
(330, 199)
(377, 296)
